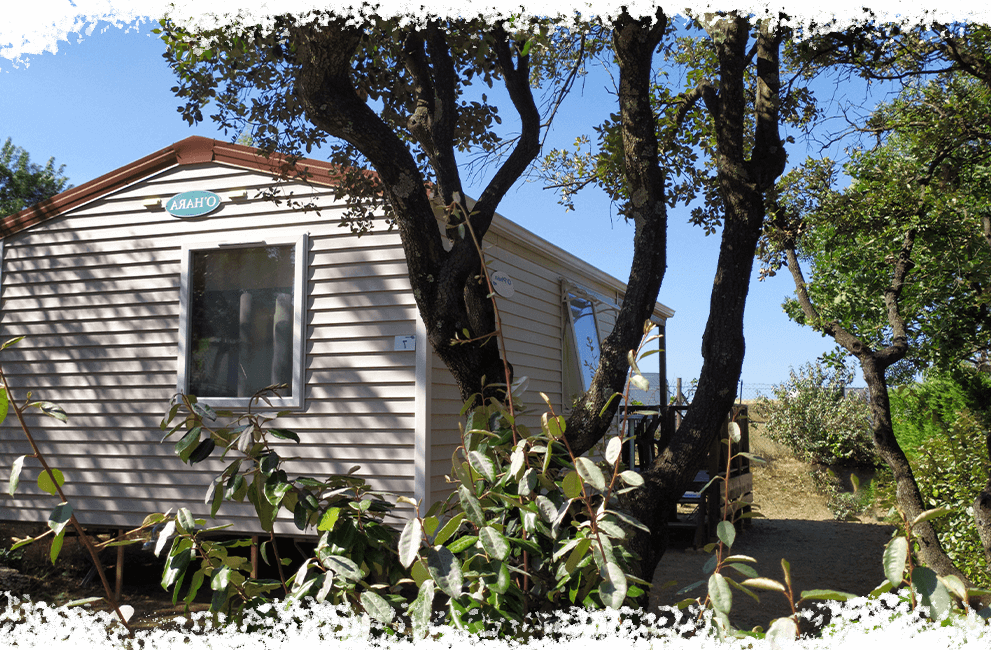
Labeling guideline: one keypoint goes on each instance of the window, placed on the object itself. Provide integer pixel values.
(586, 337)
(583, 348)
(241, 320)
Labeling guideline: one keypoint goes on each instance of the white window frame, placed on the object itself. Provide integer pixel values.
(301, 243)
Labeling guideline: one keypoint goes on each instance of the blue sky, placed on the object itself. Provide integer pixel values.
(104, 100)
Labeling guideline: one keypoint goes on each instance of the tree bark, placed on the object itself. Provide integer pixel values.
(634, 42)
(448, 296)
(873, 364)
(982, 512)
(743, 183)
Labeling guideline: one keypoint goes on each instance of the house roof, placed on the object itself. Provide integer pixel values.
(197, 150)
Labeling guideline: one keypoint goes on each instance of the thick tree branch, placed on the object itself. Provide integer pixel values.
(634, 42)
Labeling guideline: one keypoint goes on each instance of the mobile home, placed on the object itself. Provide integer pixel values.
(172, 274)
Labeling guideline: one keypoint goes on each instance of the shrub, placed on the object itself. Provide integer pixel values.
(811, 415)
(942, 423)
(921, 411)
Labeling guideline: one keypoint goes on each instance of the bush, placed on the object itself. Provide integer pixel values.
(812, 416)
(944, 422)
(922, 411)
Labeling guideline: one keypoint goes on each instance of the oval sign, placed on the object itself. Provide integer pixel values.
(502, 284)
(195, 203)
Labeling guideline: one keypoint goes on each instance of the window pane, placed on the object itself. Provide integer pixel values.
(586, 336)
(241, 321)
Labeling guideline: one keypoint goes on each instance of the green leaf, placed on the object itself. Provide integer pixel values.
(767, 584)
(449, 528)
(285, 434)
(51, 410)
(329, 519)
(56, 546)
(276, 488)
(472, 508)
(631, 478)
(409, 542)
(782, 632)
(611, 529)
(720, 593)
(421, 609)
(377, 607)
(590, 472)
(462, 543)
(955, 586)
(577, 555)
(83, 601)
(494, 543)
(572, 485)
(445, 570)
(613, 588)
(326, 584)
(726, 533)
(185, 519)
(553, 426)
(528, 482)
(894, 558)
(640, 382)
(934, 593)
(827, 594)
(176, 566)
(419, 572)
(204, 411)
(220, 578)
(613, 449)
(483, 465)
(4, 404)
(60, 517)
(942, 511)
(11, 342)
(341, 566)
(185, 446)
(45, 481)
(204, 449)
(744, 569)
(15, 475)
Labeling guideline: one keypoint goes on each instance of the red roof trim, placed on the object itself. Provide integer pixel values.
(191, 151)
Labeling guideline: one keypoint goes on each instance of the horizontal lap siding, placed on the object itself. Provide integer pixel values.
(532, 324)
(97, 294)
(532, 321)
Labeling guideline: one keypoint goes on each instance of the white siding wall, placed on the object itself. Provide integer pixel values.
(96, 293)
(534, 329)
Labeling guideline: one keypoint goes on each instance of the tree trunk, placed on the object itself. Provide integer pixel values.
(982, 512)
(743, 183)
(906, 489)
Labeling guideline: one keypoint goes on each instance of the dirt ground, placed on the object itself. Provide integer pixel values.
(798, 526)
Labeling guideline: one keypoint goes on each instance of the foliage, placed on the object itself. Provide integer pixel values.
(928, 178)
(924, 410)
(529, 527)
(847, 505)
(51, 480)
(945, 598)
(944, 421)
(252, 79)
(685, 131)
(951, 470)
(24, 183)
(812, 416)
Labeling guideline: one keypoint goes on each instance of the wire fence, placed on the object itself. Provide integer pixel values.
(745, 391)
